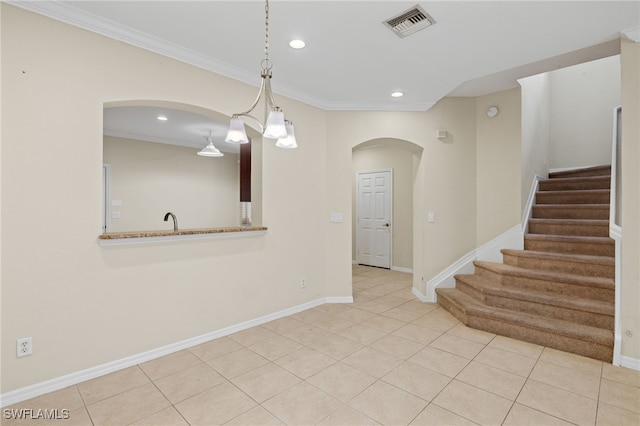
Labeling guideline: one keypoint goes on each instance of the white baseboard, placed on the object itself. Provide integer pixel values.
(401, 269)
(58, 383)
(419, 295)
(628, 362)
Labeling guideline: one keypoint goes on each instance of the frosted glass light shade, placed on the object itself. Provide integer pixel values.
(210, 151)
(290, 140)
(237, 133)
(275, 128)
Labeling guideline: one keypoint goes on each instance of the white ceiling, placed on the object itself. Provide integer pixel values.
(352, 61)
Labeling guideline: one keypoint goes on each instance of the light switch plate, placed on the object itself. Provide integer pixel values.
(336, 218)
(431, 217)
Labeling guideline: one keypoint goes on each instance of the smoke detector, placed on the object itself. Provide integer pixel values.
(410, 21)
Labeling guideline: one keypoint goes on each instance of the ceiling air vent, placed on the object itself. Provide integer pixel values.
(410, 21)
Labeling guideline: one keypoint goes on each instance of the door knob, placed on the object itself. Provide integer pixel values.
(386, 225)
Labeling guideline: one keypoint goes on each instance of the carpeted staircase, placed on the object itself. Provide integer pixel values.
(558, 291)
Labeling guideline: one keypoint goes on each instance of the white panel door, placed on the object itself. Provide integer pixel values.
(373, 232)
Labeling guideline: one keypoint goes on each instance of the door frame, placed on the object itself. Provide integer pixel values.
(361, 172)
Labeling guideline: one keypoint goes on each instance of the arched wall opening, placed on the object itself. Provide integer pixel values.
(403, 158)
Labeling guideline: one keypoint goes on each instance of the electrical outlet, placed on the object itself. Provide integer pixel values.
(24, 347)
(303, 282)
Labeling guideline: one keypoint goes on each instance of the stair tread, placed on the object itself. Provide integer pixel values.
(607, 283)
(567, 257)
(603, 170)
(577, 303)
(574, 191)
(578, 179)
(573, 206)
(470, 305)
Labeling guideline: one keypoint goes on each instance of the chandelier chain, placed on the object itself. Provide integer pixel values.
(266, 30)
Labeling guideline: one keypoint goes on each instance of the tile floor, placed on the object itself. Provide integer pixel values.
(386, 359)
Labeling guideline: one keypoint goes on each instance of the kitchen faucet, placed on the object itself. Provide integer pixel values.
(175, 220)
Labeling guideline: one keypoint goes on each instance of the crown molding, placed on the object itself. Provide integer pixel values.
(632, 34)
(71, 15)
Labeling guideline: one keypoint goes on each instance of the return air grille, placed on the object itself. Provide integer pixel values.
(410, 21)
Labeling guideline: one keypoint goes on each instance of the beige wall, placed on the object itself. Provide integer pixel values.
(389, 154)
(498, 150)
(151, 179)
(121, 301)
(630, 280)
(581, 106)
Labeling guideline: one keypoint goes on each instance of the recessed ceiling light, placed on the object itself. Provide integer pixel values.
(397, 94)
(297, 44)
(162, 118)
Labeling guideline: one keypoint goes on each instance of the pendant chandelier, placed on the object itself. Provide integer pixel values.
(210, 150)
(275, 126)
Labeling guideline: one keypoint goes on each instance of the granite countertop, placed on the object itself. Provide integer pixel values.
(171, 233)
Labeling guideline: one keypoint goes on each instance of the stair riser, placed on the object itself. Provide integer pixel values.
(552, 197)
(593, 171)
(569, 247)
(565, 267)
(562, 313)
(559, 288)
(569, 229)
(470, 290)
(545, 211)
(561, 185)
(527, 334)
(452, 308)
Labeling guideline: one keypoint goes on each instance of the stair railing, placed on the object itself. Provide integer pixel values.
(615, 226)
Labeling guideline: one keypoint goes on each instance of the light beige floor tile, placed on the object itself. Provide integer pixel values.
(383, 323)
(362, 334)
(347, 416)
(187, 383)
(215, 406)
(252, 335)
(440, 361)
(382, 304)
(360, 299)
(67, 398)
(309, 316)
(608, 415)
(507, 361)
(257, 416)
(491, 379)
(302, 405)
(474, 404)
(573, 361)
(283, 325)
(354, 315)
(417, 334)
(566, 378)
(458, 346)
(275, 347)
(305, 362)
(438, 320)
(397, 346)
(422, 382)
(437, 416)
(521, 415)
(167, 417)
(620, 395)
(129, 406)
(169, 364)
(621, 374)
(333, 308)
(307, 334)
(334, 324)
(468, 333)
(405, 293)
(557, 402)
(424, 307)
(341, 381)
(236, 363)
(372, 362)
(387, 404)
(112, 384)
(265, 382)
(403, 314)
(215, 348)
(519, 347)
(336, 347)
